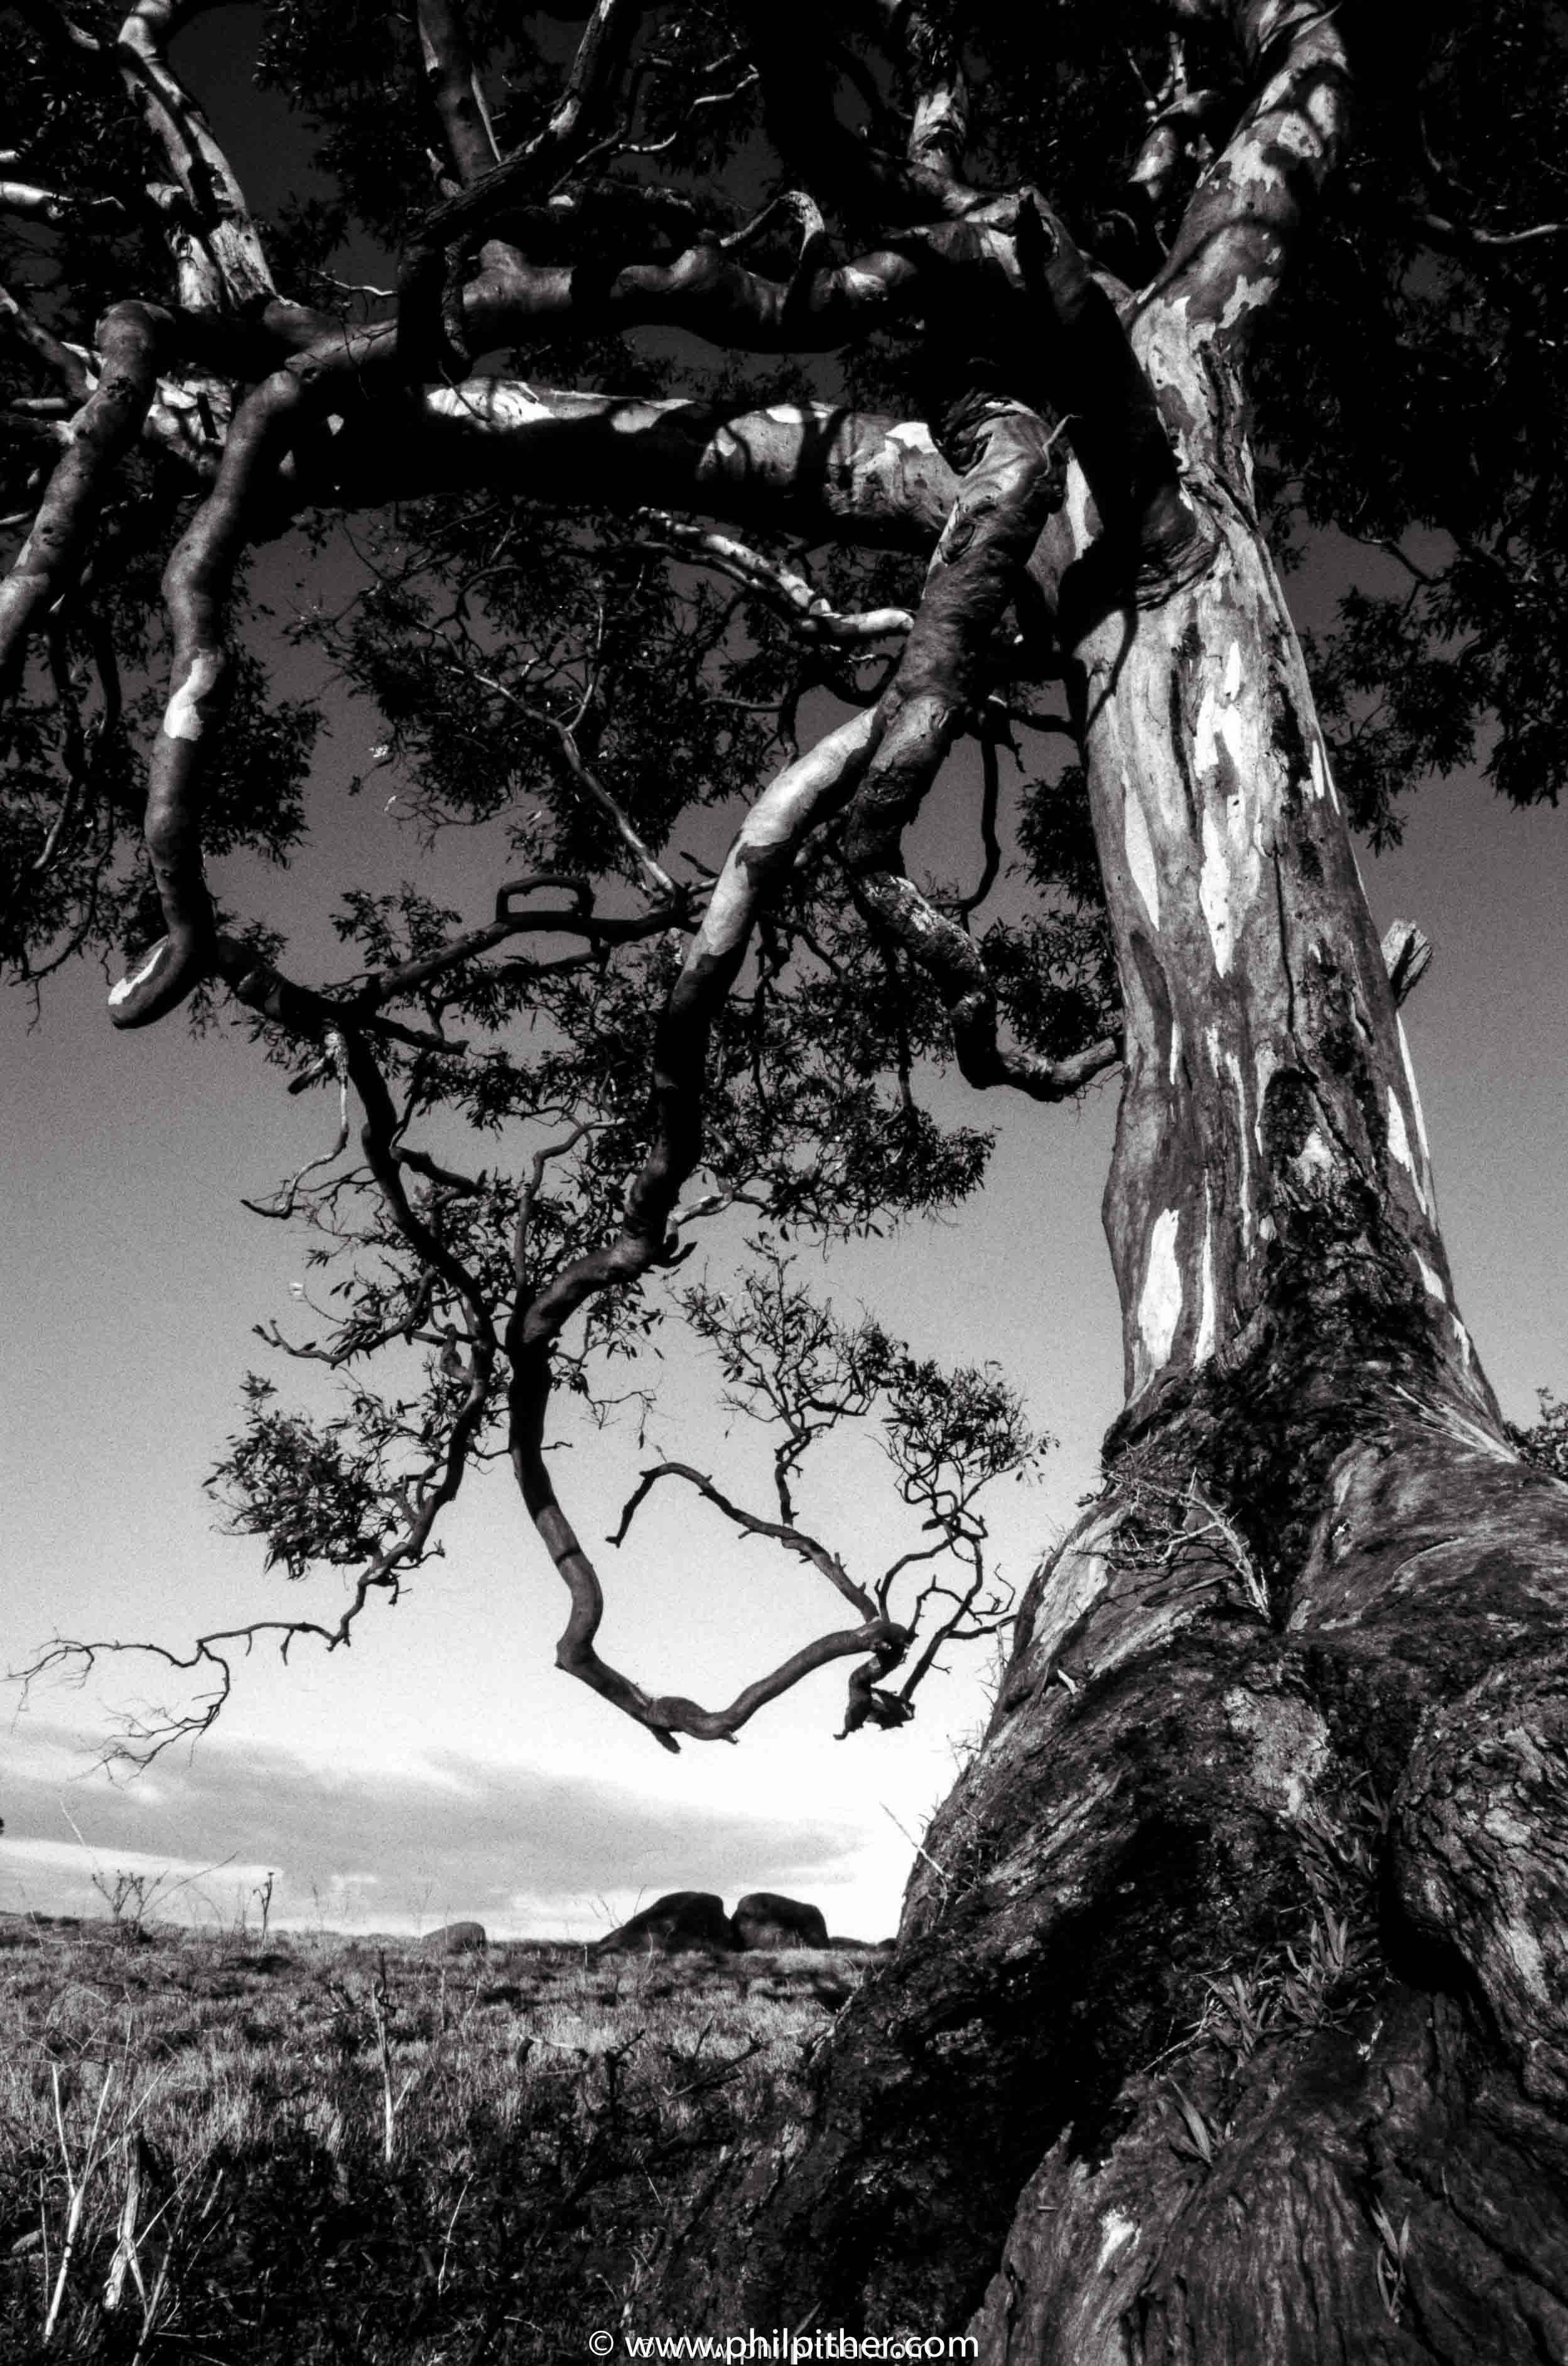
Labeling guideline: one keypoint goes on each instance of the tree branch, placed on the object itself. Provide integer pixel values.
(129, 340)
(1241, 227)
(223, 264)
(790, 595)
(453, 87)
(794, 1540)
(758, 862)
(1003, 499)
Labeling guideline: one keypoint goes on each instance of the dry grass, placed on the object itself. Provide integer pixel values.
(322, 2150)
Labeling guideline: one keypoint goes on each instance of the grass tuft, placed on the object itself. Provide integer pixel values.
(318, 2149)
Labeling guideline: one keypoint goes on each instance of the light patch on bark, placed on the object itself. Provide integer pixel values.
(1115, 2234)
(1233, 671)
(1231, 857)
(1399, 1143)
(1432, 1283)
(1076, 503)
(138, 976)
(1461, 1337)
(1289, 1743)
(1175, 1048)
(913, 432)
(1507, 1828)
(1214, 893)
(1523, 1950)
(1244, 298)
(182, 718)
(1321, 784)
(1159, 1304)
(1250, 168)
(1079, 1579)
(1417, 1109)
(499, 403)
(1140, 852)
(1216, 722)
(1469, 1433)
(1313, 1159)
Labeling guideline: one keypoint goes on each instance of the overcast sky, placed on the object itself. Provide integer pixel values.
(442, 1767)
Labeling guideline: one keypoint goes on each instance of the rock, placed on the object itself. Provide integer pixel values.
(686, 1921)
(454, 1939)
(765, 1919)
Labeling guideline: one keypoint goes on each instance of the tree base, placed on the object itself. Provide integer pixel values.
(1228, 2020)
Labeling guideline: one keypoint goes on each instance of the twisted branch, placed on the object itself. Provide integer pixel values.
(758, 862)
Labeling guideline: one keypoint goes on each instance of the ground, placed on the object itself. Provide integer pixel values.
(350, 2149)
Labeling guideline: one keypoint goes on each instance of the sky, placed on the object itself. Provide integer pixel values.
(442, 1768)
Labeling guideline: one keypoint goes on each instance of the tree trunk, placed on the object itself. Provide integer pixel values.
(1228, 2021)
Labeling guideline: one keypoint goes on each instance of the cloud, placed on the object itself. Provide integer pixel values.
(525, 1849)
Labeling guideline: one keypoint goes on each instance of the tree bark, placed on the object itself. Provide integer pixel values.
(1228, 2020)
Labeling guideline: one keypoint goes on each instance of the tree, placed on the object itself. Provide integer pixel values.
(1227, 2019)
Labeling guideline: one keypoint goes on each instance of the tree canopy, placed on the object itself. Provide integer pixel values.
(696, 332)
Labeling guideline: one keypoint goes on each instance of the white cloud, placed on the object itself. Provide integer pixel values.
(528, 1850)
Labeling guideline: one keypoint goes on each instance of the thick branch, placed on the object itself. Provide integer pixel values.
(1004, 500)
(195, 587)
(453, 87)
(229, 268)
(1241, 229)
(129, 340)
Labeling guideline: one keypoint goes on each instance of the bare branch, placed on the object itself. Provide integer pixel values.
(794, 1540)
(55, 206)
(656, 881)
(793, 596)
(68, 364)
(1470, 239)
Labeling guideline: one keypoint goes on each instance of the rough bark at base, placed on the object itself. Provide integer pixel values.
(1357, 1819)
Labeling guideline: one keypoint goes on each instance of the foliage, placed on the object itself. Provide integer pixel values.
(580, 696)
(1544, 1443)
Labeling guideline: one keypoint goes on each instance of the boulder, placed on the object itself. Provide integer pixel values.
(686, 1921)
(764, 1920)
(454, 1939)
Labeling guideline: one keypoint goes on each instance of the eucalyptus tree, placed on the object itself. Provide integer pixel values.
(762, 408)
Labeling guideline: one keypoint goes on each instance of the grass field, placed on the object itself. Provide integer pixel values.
(212, 2148)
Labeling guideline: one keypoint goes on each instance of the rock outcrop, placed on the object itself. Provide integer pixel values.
(456, 1939)
(763, 1918)
(686, 1921)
